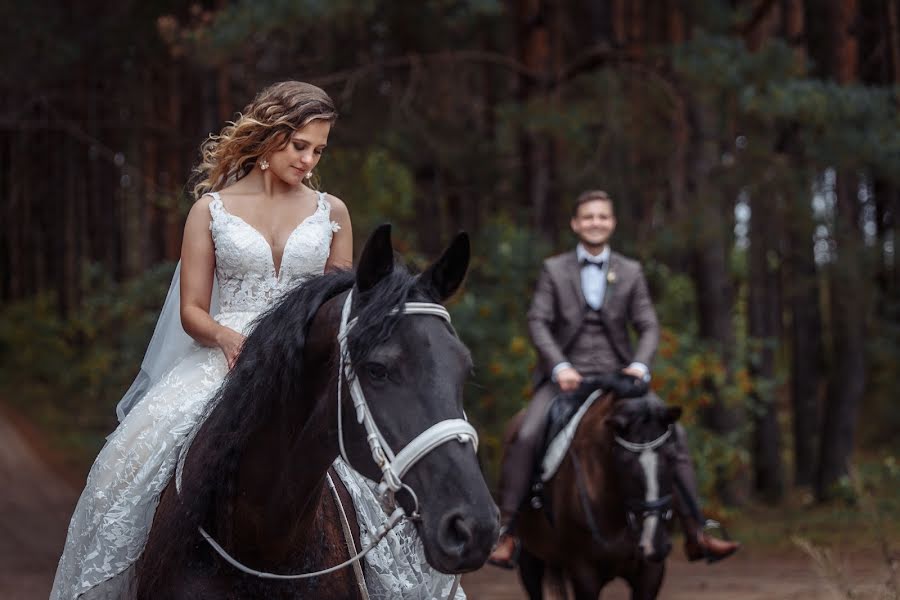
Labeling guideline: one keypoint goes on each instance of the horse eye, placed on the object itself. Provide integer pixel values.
(376, 371)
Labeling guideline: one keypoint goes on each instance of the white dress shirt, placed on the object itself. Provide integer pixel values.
(593, 275)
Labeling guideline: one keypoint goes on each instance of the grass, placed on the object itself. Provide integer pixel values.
(878, 527)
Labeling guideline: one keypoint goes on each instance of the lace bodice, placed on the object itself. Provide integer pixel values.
(245, 267)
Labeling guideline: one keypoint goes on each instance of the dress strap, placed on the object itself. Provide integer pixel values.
(215, 207)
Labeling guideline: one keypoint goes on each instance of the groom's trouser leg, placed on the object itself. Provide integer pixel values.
(686, 499)
(518, 462)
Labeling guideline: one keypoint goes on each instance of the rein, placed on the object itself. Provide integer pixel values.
(393, 466)
(586, 501)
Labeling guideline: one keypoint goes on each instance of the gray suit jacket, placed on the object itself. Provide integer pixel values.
(558, 309)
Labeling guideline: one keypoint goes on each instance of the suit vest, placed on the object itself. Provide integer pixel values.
(591, 352)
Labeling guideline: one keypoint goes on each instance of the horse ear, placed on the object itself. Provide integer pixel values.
(376, 260)
(671, 414)
(446, 274)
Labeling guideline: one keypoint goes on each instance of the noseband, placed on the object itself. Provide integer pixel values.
(635, 512)
(393, 465)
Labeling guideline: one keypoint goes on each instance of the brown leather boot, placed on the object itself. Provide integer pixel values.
(506, 553)
(701, 545)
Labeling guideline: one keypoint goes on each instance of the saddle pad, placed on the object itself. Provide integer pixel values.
(557, 448)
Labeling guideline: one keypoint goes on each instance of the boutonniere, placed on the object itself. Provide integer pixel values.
(611, 277)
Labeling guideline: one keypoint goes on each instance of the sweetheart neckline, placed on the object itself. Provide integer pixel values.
(320, 204)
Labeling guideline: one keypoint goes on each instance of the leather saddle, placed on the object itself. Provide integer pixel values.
(566, 404)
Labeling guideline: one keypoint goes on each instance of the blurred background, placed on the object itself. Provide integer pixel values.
(752, 148)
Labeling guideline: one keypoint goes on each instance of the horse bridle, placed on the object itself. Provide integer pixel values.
(662, 507)
(393, 466)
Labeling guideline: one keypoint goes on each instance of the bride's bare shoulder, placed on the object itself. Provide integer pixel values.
(337, 205)
(199, 212)
(239, 195)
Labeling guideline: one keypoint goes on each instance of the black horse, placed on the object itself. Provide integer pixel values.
(607, 506)
(255, 475)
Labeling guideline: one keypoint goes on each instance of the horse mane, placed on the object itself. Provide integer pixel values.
(269, 373)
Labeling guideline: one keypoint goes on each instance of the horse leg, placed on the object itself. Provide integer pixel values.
(587, 583)
(646, 585)
(531, 573)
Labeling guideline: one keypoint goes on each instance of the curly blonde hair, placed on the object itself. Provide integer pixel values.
(265, 125)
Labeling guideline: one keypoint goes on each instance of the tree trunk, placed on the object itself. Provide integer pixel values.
(848, 369)
(715, 294)
(805, 337)
(846, 290)
(763, 316)
(800, 286)
(533, 24)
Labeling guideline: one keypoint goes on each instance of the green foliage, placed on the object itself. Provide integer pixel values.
(869, 479)
(490, 319)
(375, 185)
(844, 126)
(686, 372)
(880, 410)
(69, 373)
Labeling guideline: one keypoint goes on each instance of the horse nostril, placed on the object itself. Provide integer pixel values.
(455, 534)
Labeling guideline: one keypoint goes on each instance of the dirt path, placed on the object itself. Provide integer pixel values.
(35, 505)
(743, 577)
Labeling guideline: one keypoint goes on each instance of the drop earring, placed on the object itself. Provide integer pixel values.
(263, 164)
(309, 175)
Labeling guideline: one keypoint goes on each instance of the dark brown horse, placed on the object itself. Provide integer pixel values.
(255, 475)
(607, 506)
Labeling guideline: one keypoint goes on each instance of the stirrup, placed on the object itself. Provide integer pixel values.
(712, 524)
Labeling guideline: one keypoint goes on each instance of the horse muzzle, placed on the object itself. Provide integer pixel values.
(464, 539)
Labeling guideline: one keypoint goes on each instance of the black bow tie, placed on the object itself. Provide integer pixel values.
(592, 261)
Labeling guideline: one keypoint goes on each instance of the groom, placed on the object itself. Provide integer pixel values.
(578, 321)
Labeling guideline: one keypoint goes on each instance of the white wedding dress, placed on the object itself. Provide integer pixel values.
(112, 519)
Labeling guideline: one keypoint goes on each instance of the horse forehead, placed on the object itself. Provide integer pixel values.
(431, 332)
(644, 423)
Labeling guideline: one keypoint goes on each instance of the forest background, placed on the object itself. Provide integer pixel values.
(752, 148)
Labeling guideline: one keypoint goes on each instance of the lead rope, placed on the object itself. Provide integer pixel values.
(585, 501)
(348, 537)
(455, 587)
(379, 535)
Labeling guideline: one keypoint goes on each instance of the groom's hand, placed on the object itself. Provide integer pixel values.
(568, 379)
(636, 373)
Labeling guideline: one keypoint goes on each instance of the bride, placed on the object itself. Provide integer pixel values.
(256, 231)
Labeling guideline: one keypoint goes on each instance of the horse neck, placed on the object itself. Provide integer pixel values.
(594, 439)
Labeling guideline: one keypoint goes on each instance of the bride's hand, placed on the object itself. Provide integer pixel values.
(230, 341)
